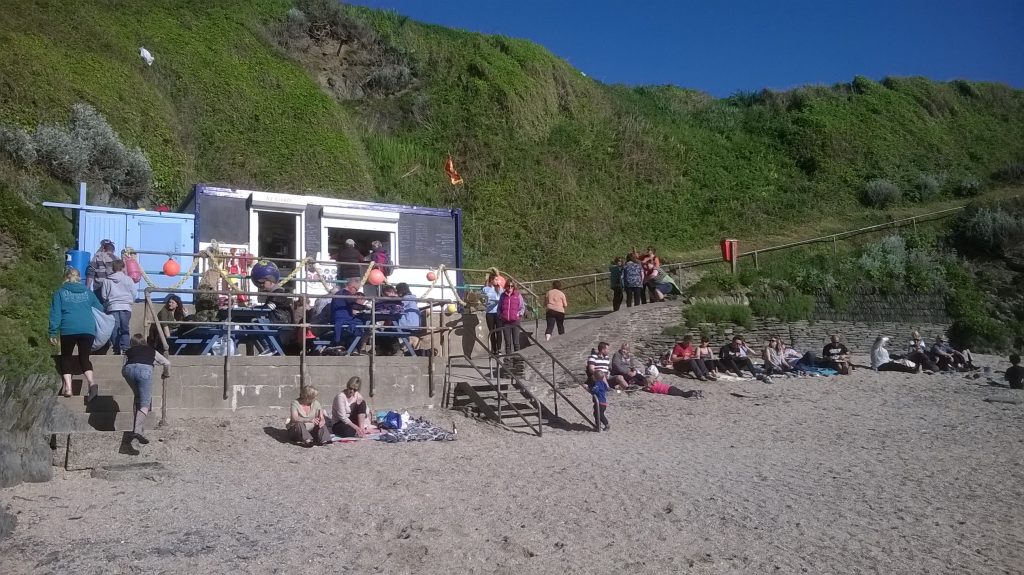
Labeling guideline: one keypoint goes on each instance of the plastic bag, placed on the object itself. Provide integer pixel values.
(104, 327)
(391, 420)
(652, 370)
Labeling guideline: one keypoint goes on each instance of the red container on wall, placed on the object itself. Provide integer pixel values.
(729, 249)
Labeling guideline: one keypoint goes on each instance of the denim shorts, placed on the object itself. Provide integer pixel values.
(140, 377)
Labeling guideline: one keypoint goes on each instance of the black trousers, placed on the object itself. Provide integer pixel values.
(633, 296)
(695, 366)
(343, 429)
(922, 359)
(492, 326)
(67, 352)
(893, 366)
(616, 298)
(554, 318)
(673, 390)
(737, 365)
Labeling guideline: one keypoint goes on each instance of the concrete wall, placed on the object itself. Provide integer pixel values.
(267, 385)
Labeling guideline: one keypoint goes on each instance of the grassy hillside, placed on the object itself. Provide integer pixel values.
(561, 170)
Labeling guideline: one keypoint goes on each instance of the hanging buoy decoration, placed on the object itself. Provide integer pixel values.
(450, 309)
(431, 276)
(376, 277)
(500, 280)
(171, 267)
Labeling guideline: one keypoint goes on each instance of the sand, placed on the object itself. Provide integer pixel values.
(869, 473)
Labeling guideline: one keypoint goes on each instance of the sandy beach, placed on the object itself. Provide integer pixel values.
(878, 473)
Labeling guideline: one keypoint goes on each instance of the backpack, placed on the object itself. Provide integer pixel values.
(382, 262)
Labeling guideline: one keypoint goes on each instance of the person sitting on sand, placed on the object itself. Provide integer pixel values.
(348, 412)
(734, 357)
(684, 359)
(624, 370)
(775, 358)
(1015, 374)
(880, 360)
(918, 353)
(947, 358)
(707, 355)
(600, 360)
(599, 392)
(308, 423)
(652, 385)
(836, 356)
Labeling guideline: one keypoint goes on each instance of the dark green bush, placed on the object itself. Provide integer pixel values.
(787, 307)
(880, 193)
(709, 312)
(974, 325)
(925, 187)
(988, 229)
(968, 187)
(1012, 173)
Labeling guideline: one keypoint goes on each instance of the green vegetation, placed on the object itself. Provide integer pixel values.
(561, 171)
(711, 312)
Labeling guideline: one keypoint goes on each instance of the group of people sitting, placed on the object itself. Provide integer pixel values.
(310, 424)
(937, 357)
(640, 278)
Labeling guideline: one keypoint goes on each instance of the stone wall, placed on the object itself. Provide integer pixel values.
(868, 308)
(806, 336)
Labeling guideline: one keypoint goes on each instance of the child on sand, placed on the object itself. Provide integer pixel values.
(599, 390)
(652, 385)
(1015, 375)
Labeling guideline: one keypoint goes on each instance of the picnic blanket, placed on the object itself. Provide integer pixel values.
(417, 430)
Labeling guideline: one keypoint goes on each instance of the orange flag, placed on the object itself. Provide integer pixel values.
(449, 168)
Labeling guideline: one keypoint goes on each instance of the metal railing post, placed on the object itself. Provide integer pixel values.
(226, 350)
(373, 340)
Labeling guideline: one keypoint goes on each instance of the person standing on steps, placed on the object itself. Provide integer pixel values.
(511, 308)
(615, 282)
(138, 373)
(555, 304)
(71, 316)
(118, 295)
(492, 293)
(632, 280)
(100, 266)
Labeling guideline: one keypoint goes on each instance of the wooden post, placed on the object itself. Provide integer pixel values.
(303, 277)
(756, 265)
(595, 289)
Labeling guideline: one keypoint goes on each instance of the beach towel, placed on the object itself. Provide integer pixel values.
(417, 430)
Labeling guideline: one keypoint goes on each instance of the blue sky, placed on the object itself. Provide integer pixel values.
(722, 47)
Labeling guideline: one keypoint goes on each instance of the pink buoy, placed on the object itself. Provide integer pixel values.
(431, 276)
(376, 277)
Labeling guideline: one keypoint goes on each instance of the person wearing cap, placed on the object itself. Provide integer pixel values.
(100, 267)
(280, 306)
(735, 357)
(947, 358)
(350, 262)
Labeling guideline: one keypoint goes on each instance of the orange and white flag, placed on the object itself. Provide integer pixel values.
(449, 168)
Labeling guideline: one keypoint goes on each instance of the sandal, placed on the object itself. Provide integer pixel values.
(64, 392)
(94, 390)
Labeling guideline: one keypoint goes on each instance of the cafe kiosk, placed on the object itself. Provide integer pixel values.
(249, 224)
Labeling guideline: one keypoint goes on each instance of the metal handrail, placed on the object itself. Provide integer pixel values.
(539, 430)
(551, 383)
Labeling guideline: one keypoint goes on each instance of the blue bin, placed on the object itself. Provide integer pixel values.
(79, 260)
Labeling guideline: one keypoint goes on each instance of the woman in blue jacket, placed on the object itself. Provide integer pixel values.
(71, 315)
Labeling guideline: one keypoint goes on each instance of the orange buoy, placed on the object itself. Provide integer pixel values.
(171, 267)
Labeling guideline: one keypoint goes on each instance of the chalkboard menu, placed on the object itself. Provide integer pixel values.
(426, 241)
(223, 219)
(313, 232)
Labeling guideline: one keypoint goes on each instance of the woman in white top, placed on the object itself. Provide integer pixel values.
(880, 358)
(348, 412)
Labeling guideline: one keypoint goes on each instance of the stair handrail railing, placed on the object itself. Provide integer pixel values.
(539, 429)
(551, 382)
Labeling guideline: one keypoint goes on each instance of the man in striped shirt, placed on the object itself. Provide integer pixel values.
(600, 361)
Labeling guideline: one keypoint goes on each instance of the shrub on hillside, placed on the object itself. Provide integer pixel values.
(924, 188)
(989, 229)
(709, 312)
(968, 187)
(1011, 173)
(880, 193)
(62, 154)
(791, 306)
(16, 144)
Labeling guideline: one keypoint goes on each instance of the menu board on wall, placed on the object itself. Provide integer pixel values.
(426, 241)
